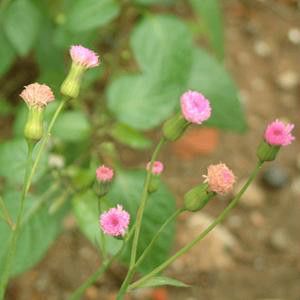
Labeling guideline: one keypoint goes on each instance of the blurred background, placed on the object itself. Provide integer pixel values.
(245, 57)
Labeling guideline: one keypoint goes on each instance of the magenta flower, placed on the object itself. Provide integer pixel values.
(84, 56)
(195, 107)
(104, 174)
(220, 179)
(36, 94)
(279, 134)
(157, 167)
(115, 221)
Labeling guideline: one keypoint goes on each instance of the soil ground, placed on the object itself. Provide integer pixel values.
(258, 54)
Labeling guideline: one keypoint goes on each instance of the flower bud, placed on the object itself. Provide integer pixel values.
(157, 169)
(174, 128)
(266, 152)
(104, 176)
(196, 198)
(33, 130)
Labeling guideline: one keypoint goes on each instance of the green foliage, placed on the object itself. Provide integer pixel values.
(13, 156)
(37, 234)
(211, 16)
(126, 191)
(160, 281)
(150, 98)
(88, 14)
(7, 53)
(151, 2)
(21, 25)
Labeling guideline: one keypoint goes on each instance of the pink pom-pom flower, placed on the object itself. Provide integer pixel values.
(195, 107)
(115, 221)
(36, 94)
(104, 174)
(84, 56)
(157, 167)
(279, 134)
(220, 179)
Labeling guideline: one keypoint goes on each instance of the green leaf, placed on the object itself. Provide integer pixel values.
(72, 126)
(89, 14)
(129, 136)
(211, 15)
(7, 54)
(210, 77)
(13, 157)
(126, 191)
(162, 280)
(151, 2)
(21, 25)
(165, 56)
(5, 107)
(36, 236)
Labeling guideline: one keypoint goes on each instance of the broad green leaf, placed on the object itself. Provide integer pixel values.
(129, 136)
(7, 54)
(21, 25)
(126, 191)
(89, 14)
(162, 280)
(211, 15)
(210, 77)
(13, 157)
(36, 236)
(72, 126)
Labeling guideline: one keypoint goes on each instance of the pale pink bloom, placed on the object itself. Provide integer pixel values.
(104, 174)
(84, 56)
(157, 167)
(195, 107)
(36, 94)
(220, 178)
(115, 221)
(279, 134)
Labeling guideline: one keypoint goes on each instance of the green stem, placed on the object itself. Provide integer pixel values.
(6, 215)
(44, 143)
(138, 223)
(217, 221)
(16, 232)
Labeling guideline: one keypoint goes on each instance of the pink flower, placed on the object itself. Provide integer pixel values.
(220, 178)
(84, 56)
(157, 167)
(195, 107)
(36, 94)
(279, 134)
(104, 174)
(115, 221)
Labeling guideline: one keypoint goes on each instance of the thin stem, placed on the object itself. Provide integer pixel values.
(5, 214)
(138, 223)
(16, 232)
(217, 221)
(44, 143)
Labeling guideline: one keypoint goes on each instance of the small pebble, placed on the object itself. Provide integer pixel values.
(288, 80)
(279, 240)
(262, 48)
(294, 36)
(275, 177)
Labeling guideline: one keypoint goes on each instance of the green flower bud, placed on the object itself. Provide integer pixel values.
(154, 184)
(174, 128)
(71, 85)
(33, 130)
(196, 198)
(267, 152)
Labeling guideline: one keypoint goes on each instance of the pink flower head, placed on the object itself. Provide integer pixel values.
(195, 107)
(115, 221)
(84, 56)
(279, 134)
(104, 174)
(220, 178)
(36, 94)
(157, 167)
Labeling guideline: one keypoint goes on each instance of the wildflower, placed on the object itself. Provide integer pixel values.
(104, 176)
(195, 107)
(220, 179)
(157, 167)
(84, 56)
(115, 221)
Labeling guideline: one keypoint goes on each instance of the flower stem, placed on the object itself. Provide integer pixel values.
(138, 223)
(217, 221)
(16, 232)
